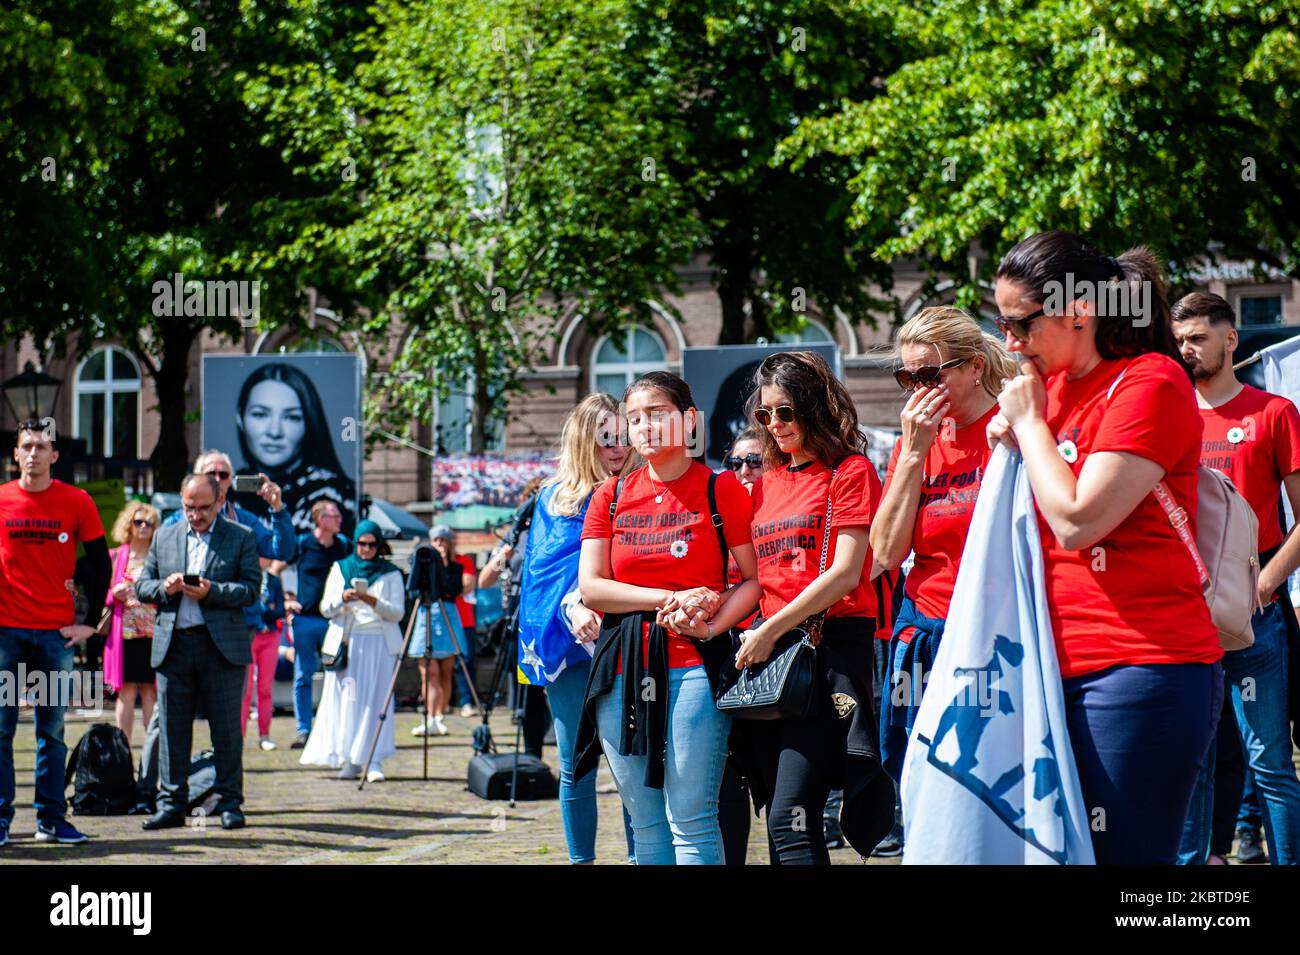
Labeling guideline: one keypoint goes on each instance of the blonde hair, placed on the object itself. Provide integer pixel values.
(122, 529)
(954, 334)
(581, 470)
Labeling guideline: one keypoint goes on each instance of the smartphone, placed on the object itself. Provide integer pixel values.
(360, 584)
(191, 579)
(247, 483)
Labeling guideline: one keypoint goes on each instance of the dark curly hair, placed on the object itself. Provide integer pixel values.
(823, 407)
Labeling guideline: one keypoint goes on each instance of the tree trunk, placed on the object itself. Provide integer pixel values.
(733, 265)
(482, 404)
(171, 456)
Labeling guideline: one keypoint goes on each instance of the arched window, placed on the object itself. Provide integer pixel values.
(106, 409)
(620, 358)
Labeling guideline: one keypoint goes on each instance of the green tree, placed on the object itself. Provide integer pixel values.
(1172, 124)
(745, 74)
(501, 169)
(162, 168)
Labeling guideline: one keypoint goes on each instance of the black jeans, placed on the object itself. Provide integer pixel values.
(799, 761)
(733, 813)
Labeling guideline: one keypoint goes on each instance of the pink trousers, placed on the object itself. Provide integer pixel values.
(266, 648)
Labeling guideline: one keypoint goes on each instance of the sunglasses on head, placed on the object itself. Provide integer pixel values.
(753, 460)
(764, 415)
(1019, 327)
(927, 376)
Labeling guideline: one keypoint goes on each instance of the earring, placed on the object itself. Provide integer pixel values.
(1078, 326)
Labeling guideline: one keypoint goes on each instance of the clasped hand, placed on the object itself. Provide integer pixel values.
(688, 612)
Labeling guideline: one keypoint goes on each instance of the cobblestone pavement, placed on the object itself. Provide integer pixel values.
(301, 814)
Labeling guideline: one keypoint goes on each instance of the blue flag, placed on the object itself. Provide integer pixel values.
(550, 570)
(989, 777)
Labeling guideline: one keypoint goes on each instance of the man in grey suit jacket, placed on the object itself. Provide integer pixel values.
(201, 645)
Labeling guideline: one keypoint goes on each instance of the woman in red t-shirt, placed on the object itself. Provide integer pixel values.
(814, 451)
(952, 370)
(1102, 412)
(654, 562)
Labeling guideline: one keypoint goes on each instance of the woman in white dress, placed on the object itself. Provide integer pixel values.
(352, 697)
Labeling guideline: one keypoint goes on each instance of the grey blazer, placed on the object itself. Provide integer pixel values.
(236, 577)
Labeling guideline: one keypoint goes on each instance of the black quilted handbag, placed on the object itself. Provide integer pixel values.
(783, 685)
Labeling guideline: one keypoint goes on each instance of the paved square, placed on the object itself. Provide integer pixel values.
(301, 814)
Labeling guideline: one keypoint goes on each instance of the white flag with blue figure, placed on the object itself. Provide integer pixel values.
(989, 777)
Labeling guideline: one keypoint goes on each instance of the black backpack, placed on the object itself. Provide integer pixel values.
(103, 771)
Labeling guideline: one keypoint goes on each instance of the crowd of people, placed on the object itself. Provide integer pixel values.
(679, 578)
(644, 589)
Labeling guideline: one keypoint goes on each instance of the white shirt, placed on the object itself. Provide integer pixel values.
(196, 558)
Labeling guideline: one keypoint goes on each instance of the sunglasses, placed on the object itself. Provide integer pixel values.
(367, 544)
(141, 522)
(927, 376)
(1019, 327)
(753, 460)
(764, 415)
(219, 475)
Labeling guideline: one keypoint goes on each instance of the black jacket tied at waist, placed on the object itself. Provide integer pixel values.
(643, 714)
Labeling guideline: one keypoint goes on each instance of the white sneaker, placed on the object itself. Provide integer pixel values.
(468, 710)
(266, 744)
(375, 776)
(349, 771)
(439, 727)
(422, 729)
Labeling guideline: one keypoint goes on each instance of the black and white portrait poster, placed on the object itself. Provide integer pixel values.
(722, 378)
(295, 418)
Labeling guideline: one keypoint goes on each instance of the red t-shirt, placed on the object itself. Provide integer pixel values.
(1134, 597)
(463, 606)
(789, 514)
(39, 532)
(670, 545)
(1255, 440)
(950, 482)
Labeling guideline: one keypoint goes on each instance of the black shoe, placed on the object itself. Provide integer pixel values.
(232, 819)
(299, 741)
(163, 820)
(141, 809)
(1249, 851)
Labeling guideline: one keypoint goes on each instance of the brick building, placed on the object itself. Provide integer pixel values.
(108, 401)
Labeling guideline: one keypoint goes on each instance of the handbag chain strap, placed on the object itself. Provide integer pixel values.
(814, 623)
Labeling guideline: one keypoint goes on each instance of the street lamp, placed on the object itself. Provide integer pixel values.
(31, 394)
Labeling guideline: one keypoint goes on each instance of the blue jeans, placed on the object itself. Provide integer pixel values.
(1257, 677)
(679, 823)
(308, 635)
(577, 797)
(1250, 816)
(1259, 681)
(40, 650)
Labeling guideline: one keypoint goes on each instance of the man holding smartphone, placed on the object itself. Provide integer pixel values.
(201, 574)
(273, 543)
